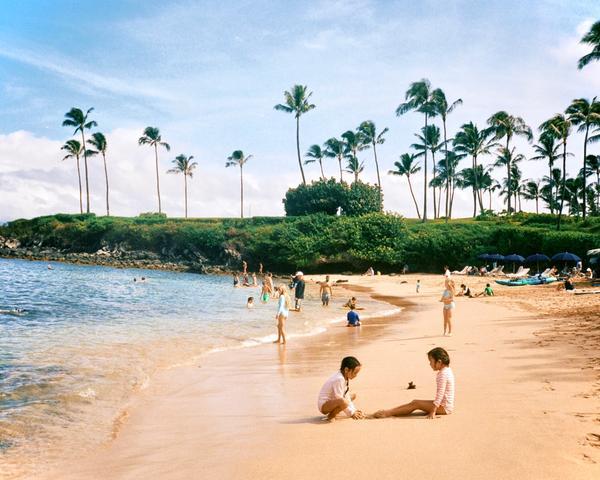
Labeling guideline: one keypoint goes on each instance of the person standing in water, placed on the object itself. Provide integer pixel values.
(325, 292)
(299, 287)
(283, 310)
(244, 267)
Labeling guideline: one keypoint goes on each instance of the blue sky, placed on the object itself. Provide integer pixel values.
(209, 73)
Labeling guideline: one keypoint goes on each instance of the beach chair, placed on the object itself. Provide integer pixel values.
(464, 271)
(522, 274)
(546, 272)
(493, 271)
(517, 274)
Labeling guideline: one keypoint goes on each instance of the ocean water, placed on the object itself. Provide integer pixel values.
(76, 342)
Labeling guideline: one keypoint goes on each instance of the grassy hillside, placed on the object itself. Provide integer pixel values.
(315, 243)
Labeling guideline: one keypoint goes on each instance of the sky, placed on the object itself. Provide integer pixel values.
(209, 73)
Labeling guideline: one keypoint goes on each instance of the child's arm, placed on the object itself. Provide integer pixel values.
(439, 395)
(338, 390)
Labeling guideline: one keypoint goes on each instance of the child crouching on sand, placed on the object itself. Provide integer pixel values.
(334, 395)
(439, 360)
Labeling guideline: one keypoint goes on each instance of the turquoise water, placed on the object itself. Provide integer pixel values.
(86, 338)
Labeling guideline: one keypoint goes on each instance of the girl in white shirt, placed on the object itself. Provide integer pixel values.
(335, 396)
(443, 404)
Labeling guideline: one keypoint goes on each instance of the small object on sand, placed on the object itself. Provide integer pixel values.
(411, 386)
(341, 281)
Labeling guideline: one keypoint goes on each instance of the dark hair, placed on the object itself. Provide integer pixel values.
(250, 299)
(462, 285)
(350, 363)
(487, 284)
(438, 353)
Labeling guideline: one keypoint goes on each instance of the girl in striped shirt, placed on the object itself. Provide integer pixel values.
(443, 404)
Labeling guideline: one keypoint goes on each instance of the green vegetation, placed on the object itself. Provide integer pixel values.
(315, 243)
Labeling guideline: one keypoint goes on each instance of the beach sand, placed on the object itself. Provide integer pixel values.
(527, 397)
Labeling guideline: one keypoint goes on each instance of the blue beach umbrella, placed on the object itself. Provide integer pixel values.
(537, 258)
(484, 256)
(514, 258)
(495, 257)
(566, 257)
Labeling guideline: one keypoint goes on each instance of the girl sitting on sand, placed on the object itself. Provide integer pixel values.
(439, 360)
(283, 310)
(334, 395)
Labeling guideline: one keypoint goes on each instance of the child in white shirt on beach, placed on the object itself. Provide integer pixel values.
(443, 404)
(335, 396)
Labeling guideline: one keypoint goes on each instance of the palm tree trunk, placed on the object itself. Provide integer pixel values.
(378, 177)
(80, 190)
(452, 198)
(340, 164)
(355, 177)
(157, 179)
(298, 148)
(413, 196)
(551, 193)
(106, 177)
(425, 176)
(322, 172)
(537, 198)
(87, 184)
(564, 179)
(585, 141)
(490, 192)
(509, 184)
(435, 209)
(185, 192)
(598, 190)
(474, 202)
(241, 192)
(447, 171)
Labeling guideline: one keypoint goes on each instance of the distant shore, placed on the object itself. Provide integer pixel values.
(526, 364)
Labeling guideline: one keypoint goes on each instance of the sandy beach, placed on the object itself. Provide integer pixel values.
(527, 400)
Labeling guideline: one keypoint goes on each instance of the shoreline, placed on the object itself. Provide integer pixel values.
(194, 408)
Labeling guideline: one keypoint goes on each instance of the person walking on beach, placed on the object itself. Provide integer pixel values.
(335, 395)
(254, 280)
(448, 301)
(260, 268)
(418, 286)
(283, 310)
(325, 292)
(269, 283)
(244, 267)
(443, 404)
(265, 293)
(299, 286)
(236, 280)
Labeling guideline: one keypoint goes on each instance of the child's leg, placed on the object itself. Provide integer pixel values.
(332, 408)
(449, 320)
(406, 409)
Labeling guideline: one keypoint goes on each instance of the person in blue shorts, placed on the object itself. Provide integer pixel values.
(353, 318)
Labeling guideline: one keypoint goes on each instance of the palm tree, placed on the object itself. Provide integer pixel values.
(572, 192)
(547, 148)
(584, 114)
(184, 165)
(419, 98)
(505, 125)
(592, 38)
(153, 138)
(495, 185)
(550, 189)
(474, 142)
(238, 158)
(448, 177)
(533, 191)
(593, 163)
(560, 127)
(98, 141)
(370, 137)
(507, 157)
(443, 109)
(406, 167)
(334, 148)
(76, 118)
(430, 140)
(354, 166)
(471, 178)
(73, 147)
(296, 102)
(315, 154)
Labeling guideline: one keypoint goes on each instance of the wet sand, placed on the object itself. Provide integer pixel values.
(527, 400)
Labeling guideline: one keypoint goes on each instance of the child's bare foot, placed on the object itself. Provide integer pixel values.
(330, 418)
(380, 414)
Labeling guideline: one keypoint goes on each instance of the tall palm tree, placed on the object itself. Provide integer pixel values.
(533, 191)
(296, 102)
(74, 150)
(508, 157)
(153, 138)
(474, 142)
(584, 115)
(407, 166)
(98, 141)
(547, 148)
(76, 118)
(560, 127)
(429, 140)
(470, 177)
(593, 163)
(592, 38)
(495, 185)
(443, 108)
(315, 154)
(354, 166)
(238, 159)
(371, 138)
(334, 148)
(509, 126)
(184, 164)
(448, 177)
(550, 189)
(419, 98)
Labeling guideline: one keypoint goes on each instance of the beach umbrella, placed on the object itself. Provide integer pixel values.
(537, 258)
(495, 257)
(484, 256)
(514, 258)
(566, 257)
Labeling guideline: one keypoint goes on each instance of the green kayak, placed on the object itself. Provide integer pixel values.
(518, 282)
